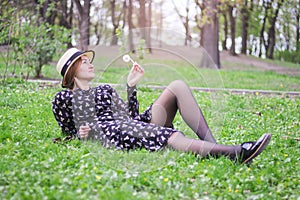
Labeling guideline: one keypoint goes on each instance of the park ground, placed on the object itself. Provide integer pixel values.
(32, 166)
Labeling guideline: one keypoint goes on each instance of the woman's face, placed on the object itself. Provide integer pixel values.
(86, 70)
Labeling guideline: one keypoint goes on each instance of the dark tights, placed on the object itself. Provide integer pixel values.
(178, 96)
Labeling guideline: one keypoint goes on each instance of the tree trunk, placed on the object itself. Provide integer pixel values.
(149, 24)
(159, 32)
(185, 21)
(38, 72)
(84, 23)
(116, 20)
(298, 27)
(44, 14)
(66, 17)
(288, 36)
(187, 27)
(272, 34)
(262, 30)
(98, 32)
(199, 21)
(224, 42)
(245, 18)
(114, 39)
(232, 29)
(130, 27)
(211, 32)
(142, 19)
(85, 26)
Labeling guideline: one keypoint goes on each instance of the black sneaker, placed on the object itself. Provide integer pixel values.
(252, 149)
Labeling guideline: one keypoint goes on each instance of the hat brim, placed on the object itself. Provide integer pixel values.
(89, 53)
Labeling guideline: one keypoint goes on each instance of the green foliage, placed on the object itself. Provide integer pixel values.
(30, 42)
(5, 22)
(33, 167)
(289, 56)
(35, 45)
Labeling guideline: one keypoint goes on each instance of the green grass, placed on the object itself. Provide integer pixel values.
(33, 167)
(161, 72)
(281, 63)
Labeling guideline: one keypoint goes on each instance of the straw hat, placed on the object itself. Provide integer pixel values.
(69, 57)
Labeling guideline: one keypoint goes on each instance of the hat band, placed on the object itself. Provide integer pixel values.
(66, 65)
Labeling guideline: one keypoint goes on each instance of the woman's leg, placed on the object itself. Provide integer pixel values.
(204, 148)
(178, 96)
(244, 153)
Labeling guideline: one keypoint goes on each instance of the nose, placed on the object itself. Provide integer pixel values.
(91, 67)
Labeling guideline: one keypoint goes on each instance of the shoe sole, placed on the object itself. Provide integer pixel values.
(263, 145)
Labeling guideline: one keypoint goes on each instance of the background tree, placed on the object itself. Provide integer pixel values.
(100, 20)
(245, 15)
(266, 7)
(158, 16)
(184, 17)
(270, 45)
(265, 28)
(65, 16)
(297, 14)
(117, 12)
(84, 22)
(224, 24)
(32, 41)
(232, 15)
(148, 25)
(142, 18)
(130, 27)
(200, 18)
(211, 31)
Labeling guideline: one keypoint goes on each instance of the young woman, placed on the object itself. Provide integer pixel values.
(100, 114)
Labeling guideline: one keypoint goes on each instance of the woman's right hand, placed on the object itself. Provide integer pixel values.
(135, 75)
(84, 131)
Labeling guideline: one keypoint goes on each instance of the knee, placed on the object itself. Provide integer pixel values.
(178, 84)
(178, 88)
(175, 137)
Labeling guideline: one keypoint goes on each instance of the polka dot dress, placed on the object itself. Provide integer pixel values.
(112, 121)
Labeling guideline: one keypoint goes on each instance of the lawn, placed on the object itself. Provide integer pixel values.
(33, 167)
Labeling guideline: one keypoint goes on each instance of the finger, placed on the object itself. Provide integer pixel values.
(82, 128)
(85, 126)
(84, 133)
(136, 65)
(86, 129)
(139, 68)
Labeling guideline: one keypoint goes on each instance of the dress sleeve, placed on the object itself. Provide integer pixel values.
(133, 104)
(131, 107)
(63, 114)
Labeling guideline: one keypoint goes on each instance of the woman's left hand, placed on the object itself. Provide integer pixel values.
(84, 131)
(135, 75)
